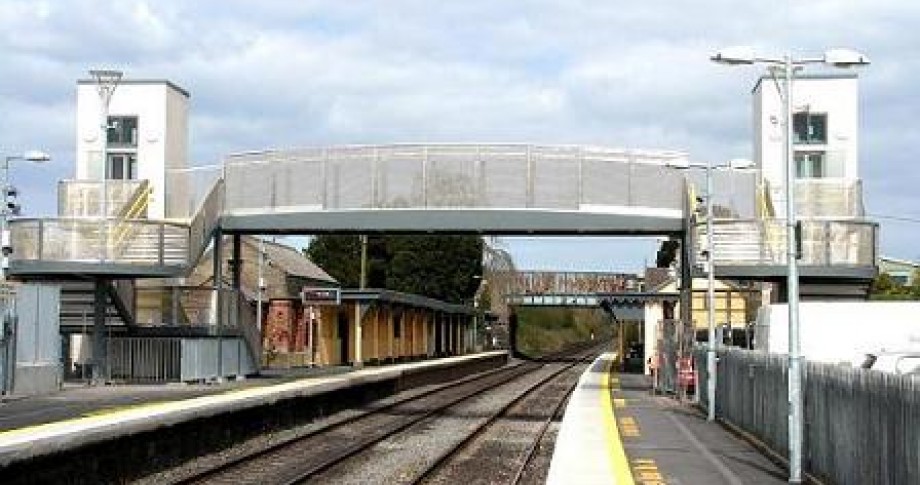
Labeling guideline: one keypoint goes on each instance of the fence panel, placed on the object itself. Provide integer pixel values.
(861, 427)
(145, 360)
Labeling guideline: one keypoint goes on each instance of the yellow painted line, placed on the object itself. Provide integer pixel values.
(646, 472)
(619, 402)
(135, 412)
(115, 415)
(621, 469)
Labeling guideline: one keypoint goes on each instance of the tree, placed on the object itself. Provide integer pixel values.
(441, 267)
(667, 253)
(884, 287)
(444, 267)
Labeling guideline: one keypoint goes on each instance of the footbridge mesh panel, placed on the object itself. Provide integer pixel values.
(451, 176)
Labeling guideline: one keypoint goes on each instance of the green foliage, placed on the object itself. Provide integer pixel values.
(441, 267)
(546, 330)
(667, 253)
(340, 256)
(884, 287)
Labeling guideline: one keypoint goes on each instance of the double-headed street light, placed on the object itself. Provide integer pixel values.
(9, 205)
(710, 273)
(787, 66)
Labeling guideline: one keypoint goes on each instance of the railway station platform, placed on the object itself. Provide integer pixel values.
(615, 431)
(103, 424)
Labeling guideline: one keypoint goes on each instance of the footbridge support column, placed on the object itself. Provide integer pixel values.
(686, 296)
(100, 345)
(219, 301)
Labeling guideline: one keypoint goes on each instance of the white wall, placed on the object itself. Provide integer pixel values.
(654, 312)
(836, 96)
(162, 140)
(840, 332)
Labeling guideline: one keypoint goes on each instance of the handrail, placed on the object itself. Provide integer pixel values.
(138, 203)
(826, 242)
(81, 239)
(204, 221)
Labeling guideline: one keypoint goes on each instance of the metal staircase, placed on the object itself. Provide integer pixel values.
(77, 299)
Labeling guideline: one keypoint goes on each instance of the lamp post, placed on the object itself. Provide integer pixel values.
(710, 277)
(106, 82)
(8, 208)
(788, 66)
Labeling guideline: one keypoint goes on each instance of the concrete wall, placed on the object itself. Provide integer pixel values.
(37, 340)
(162, 138)
(838, 97)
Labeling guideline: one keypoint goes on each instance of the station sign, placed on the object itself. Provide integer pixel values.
(321, 296)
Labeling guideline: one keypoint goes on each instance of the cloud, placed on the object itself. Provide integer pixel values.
(631, 74)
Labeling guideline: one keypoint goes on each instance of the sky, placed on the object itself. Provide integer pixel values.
(278, 74)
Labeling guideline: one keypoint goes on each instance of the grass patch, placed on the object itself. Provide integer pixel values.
(545, 330)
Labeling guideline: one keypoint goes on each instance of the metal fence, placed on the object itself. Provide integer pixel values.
(83, 198)
(825, 242)
(153, 360)
(452, 176)
(135, 242)
(861, 427)
(145, 359)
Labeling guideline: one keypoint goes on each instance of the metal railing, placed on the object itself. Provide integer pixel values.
(197, 307)
(825, 242)
(152, 243)
(861, 427)
(451, 176)
(824, 197)
(83, 198)
(147, 360)
(204, 221)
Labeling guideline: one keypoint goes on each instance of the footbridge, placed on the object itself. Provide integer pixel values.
(488, 189)
(497, 189)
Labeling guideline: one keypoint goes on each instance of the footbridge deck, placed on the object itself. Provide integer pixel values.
(499, 189)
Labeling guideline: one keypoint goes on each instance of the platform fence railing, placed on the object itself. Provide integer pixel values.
(861, 426)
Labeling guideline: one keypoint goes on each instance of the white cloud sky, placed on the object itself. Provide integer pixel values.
(299, 73)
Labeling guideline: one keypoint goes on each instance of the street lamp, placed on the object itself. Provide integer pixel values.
(787, 66)
(9, 207)
(106, 82)
(710, 275)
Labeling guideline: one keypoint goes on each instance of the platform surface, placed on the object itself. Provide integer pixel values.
(615, 431)
(81, 415)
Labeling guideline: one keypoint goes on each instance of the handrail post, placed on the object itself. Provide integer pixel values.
(41, 240)
(161, 247)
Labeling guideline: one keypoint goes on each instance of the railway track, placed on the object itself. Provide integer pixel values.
(303, 458)
(439, 471)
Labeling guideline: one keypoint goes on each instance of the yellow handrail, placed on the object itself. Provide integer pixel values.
(140, 204)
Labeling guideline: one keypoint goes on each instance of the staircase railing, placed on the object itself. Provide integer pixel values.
(204, 222)
(134, 208)
(825, 242)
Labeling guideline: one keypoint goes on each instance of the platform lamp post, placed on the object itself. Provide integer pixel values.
(106, 82)
(738, 164)
(787, 66)
(10, 208)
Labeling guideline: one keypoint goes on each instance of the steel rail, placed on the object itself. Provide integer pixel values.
(203, 475)
(444, 457)
(532, 451)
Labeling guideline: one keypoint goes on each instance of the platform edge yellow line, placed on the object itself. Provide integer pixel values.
(621, 470)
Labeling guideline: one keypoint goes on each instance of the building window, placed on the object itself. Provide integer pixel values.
(809, 128)
(122, 166)
(122, 131)
(809, 165)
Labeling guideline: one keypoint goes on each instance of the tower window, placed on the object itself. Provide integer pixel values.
(122, 131)
(809, 128)
(809, 165)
